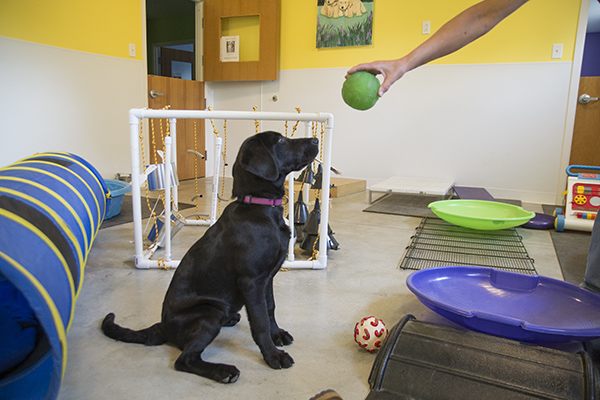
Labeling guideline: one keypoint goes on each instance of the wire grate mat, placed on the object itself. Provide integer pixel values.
(437, 243)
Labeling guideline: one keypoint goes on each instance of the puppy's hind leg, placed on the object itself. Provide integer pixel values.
(202, 332)
(191, 361)
(235, 318)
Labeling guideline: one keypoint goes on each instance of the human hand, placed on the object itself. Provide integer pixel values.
(391, 70)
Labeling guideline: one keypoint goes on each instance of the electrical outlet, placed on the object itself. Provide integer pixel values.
(557, 50)
(131, 50)
(426, 27)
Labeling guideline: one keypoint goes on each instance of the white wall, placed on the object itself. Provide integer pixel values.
(495, 126)
(63, 100)
(500, 127)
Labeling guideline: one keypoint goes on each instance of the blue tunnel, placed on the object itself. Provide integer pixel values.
(51, 208)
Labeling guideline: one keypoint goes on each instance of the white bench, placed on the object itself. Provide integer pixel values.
(426, 186)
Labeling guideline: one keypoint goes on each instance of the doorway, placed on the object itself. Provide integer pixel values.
(171, 38)
(586, 131)
(171, 41)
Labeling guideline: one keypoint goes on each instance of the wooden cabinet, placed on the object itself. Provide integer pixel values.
(267, 13)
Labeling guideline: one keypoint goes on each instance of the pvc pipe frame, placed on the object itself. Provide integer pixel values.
(138, 114)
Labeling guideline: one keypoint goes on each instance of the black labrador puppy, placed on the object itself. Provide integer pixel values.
(232, 265)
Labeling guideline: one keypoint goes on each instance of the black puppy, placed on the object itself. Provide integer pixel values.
(232, 265)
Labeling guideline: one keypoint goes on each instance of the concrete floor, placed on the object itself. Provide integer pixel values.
(318, 307)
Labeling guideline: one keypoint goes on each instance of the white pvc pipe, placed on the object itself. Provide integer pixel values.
(168, 171)
(144, 263)
(305, 264)
(173, 130)
(293, 233)
(134, 125)
(140, 113)
(189, 221)
(215, 182)
(323, 234)
(135, 115)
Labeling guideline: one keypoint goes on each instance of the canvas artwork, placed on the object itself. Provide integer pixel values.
(342, 23)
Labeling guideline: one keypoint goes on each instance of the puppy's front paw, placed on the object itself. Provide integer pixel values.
(282, 338)
(279, 359)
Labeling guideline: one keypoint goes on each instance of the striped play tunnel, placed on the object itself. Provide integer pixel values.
(51, 207)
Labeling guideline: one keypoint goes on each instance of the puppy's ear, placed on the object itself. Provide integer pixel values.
(258, 159)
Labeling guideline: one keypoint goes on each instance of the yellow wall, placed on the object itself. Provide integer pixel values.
(525, 36)
(107, 27)
(104, 27)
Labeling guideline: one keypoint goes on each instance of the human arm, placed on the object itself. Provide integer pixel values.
(466, 27)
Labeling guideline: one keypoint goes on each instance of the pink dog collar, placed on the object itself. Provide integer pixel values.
(262, 201)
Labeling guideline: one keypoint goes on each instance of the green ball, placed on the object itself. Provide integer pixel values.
(360, 90)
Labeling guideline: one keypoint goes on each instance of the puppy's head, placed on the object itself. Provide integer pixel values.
(269, 157)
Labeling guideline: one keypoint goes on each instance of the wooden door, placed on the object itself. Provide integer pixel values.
(585, 147)
(180, 94)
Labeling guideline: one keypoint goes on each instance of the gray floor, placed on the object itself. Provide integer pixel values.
(318, 307)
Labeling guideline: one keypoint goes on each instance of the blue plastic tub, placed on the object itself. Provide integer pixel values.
(115, 200)
(528, 308)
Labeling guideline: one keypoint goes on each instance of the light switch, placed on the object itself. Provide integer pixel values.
(426, 27)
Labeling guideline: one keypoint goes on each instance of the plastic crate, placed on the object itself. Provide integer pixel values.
(114, 202)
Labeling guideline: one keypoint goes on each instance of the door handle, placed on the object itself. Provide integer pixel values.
(154, 94)
(586, 98)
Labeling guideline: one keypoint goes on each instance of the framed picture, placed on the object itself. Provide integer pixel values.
(230, 48)
(342, 23)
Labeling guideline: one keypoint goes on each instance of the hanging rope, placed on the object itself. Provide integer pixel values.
(165, 126)
(224, 152)
(163, 135)
(315, 251)
(163, 265)
(255, 121)
(224, 165)
(216, 132)
(296, 125)
(196, 191)
(147, 191)
(165, 130)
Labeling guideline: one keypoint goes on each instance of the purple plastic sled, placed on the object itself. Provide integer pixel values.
(528, 308)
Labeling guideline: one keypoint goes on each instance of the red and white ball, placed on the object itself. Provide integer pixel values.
(369, 333)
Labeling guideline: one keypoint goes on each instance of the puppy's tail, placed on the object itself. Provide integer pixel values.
(151, 336)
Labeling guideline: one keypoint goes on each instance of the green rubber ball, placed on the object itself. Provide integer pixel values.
(360, 90)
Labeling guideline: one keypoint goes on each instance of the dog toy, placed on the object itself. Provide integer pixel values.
(360, 89)
(369, 333)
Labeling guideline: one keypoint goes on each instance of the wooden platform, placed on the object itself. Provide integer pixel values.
(340, 187)
(344, 186)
